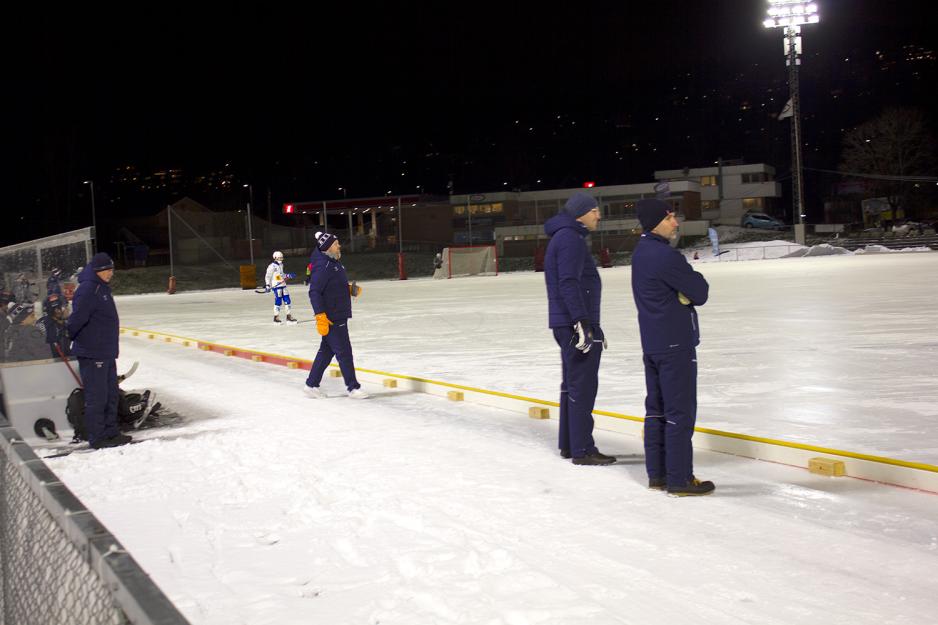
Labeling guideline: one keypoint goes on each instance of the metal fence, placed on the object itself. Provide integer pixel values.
(58, 563)
(756, 252)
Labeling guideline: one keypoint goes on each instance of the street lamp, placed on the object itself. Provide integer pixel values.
(250, 232)
(791, 15)
(344, 192)
(94, 221)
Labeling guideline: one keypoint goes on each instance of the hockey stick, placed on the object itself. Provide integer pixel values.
(58, 348)
(120, 378)
(261, 290)
(124, 376)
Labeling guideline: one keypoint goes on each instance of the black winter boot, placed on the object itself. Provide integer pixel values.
(594, 458)
(693, 488)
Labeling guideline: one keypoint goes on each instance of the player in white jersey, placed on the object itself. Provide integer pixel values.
(276, 281)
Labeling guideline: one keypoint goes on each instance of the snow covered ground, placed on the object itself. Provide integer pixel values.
(267, 507)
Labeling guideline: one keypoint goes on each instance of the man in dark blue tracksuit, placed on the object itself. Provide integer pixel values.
(666, 290)
(330, 295)
(94, 329)
(574, 291)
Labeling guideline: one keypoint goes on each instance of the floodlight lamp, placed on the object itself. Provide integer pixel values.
(814, 19)
(769, 23)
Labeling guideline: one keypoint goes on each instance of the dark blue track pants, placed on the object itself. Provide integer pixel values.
(337, 344)
(99, 377)
(670, 415)
(578, 392)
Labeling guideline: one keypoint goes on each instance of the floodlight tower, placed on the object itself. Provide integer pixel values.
(791, 15)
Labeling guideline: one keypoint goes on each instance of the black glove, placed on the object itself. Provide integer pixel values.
(582, 336)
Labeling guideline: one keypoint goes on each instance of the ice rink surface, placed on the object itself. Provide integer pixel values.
(837, 351)
(268, 507)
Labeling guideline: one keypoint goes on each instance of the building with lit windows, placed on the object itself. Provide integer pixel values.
(728, 192)
(514, 221)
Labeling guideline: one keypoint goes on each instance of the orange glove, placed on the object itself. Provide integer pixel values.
(322, 324)
(354, 290)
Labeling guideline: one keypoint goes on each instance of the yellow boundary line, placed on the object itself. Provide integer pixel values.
(616, 415)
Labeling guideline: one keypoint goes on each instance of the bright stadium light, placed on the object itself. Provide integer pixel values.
(790, 15)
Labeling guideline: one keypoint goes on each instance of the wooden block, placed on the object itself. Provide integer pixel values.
(538, 412)
(168, 339)
(293, 365)
(135, 333)
(122, 330)
(151, 336)
(205, 348)
(455, 395)
(390, 383)
(827, 466)
(257, 358)
(229, 352)
(185, 343)
(335, 373)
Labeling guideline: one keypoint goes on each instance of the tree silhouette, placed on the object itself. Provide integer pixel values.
(888, 152)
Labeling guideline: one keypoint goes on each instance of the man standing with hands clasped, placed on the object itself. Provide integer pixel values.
(666, 290)
(95, 331)
(331, 297)
(574, 291)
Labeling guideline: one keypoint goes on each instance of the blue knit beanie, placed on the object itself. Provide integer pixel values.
(651, 211)
(579, 204)
(101, 262)
(324, 240)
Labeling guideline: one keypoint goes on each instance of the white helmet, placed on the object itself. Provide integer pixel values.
(278, 256)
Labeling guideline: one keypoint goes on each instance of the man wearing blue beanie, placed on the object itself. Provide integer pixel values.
(574, 291)
(94, 328)
(666, 291)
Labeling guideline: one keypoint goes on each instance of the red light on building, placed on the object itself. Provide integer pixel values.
(288, 208)
(589, 185)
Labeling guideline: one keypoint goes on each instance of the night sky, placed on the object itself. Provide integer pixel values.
(301, 102)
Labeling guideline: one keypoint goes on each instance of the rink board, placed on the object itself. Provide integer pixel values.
(891, 471)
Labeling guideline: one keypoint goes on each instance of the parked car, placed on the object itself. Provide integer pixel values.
(761, 220)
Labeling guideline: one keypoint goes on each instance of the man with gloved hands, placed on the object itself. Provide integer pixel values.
(574, 291)
(331, 297)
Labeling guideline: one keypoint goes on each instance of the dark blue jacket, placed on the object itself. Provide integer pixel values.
(93, 325)
(574, 289)
(659, 272)
(53, 286)
(328, 287)
(54, 332)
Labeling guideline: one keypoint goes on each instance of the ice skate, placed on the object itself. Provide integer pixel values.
(357, 393)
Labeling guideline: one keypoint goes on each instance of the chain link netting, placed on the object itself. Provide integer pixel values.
(46, 578)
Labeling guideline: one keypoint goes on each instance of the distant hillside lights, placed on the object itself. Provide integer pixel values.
(171, 179)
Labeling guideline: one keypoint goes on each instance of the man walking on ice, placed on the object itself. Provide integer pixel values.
(666, 290)
(331, 297)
